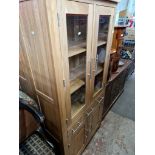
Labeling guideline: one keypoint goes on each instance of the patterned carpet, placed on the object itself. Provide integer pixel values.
(115, 137)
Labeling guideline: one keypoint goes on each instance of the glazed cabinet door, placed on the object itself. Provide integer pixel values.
(103, 24)
(77, 21)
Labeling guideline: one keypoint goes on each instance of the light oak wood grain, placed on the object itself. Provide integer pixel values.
(50, 72)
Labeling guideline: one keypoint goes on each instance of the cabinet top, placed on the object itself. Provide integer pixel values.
(92, 1)
(117, 1)
(88, 1)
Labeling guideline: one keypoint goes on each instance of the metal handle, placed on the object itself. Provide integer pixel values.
(88, 113)
(79, 124)
(100, 99)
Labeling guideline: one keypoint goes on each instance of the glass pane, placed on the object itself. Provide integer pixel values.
(103, 28)
(101, 51)
(77, 33)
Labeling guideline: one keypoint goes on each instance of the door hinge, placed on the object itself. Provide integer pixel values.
(58, 16)
(64, 83)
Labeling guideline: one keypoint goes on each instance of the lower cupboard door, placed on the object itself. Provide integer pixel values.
(77, 140)
(95, 118)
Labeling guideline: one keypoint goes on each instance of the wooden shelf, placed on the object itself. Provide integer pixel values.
(77, 72)
(99, 43)
(99, 69)
(76, 47)
(75, 50)
(75, 85)
(80, 47)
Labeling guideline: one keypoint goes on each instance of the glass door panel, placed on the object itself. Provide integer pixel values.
(77, 54)
(101, 45)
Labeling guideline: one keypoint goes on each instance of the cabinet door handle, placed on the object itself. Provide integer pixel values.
(79, 125)
(88, 113)
(101, 98)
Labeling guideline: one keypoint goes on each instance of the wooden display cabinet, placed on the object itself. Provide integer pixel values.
(67, 49)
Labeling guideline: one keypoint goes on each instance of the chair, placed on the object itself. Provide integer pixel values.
(34, 137)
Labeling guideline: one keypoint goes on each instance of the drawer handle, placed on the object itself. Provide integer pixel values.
(79, 124)
(88, 113)
(101, 98)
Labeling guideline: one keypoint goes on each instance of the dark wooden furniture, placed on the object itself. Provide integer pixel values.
(115, 85)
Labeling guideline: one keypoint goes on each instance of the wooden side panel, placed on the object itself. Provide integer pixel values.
(39, 50)
(35, 33)
(51, 120)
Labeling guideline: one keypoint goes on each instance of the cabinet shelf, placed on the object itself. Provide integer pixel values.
(99, 70)
(100, 42)
(75, 85)
(75, 48)
(80, 47)
(77, 72)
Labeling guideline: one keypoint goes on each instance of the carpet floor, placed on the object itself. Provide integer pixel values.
(114, 137)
